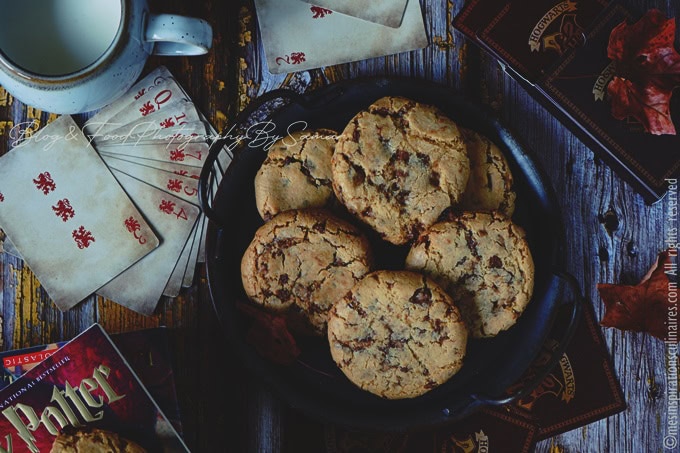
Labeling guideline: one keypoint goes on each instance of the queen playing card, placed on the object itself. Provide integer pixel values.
(296, 39)
(68, 217)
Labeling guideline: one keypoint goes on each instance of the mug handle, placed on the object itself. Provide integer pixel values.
(178, 35)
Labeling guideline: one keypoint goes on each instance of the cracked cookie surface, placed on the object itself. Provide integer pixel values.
(296, 173)
(483, 262)
(489, 187)
(397, 334)
(301, 262)
(398, 165)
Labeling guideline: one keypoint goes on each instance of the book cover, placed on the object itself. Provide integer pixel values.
(561, 60)
(83, 392)
(147, 351)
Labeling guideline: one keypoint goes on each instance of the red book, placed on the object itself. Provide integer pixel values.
(84, 386)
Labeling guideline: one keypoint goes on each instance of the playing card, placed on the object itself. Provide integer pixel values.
(190, 271)
(144, 85)
(170, 167)
(296, 39)
(9, 248)
(193, 154)
(174, 285)
(66, 214)
(178, 136)
(179, 114)
(141, 287)
(156, 98)
(184, 272)
(181, 186)
(383, 12)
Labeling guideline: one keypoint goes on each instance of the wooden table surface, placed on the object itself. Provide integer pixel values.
(612, 236)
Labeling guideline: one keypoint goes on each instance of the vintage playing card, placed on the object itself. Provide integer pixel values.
(155, 98)
(141, 287)
(181, 186)
(177, 136)
(193, 154)
(383, 12)
(174, 284)
(173, 116)
(190, 271)
(144, 85)
(171, 167)
(66, 214)
(296, 39)
(173, 180)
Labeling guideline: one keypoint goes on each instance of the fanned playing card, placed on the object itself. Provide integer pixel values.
(192, 155)
(155, 134)
(174, 285)
(170, 179)
(190, 271)
(149, 83)
(170, 167)
(181, 186)
(141, 287)
(383, 12)
(162, 93)
(296, 39)
(66, 214)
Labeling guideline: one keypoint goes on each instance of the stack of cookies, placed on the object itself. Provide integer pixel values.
(399, 168)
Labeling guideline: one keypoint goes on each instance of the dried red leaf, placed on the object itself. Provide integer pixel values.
(647, 70)
(269, 335)
(643, 307)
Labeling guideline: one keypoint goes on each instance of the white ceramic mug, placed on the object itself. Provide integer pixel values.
(74, 56)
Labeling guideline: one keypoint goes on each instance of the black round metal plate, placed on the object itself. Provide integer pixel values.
(314, 384)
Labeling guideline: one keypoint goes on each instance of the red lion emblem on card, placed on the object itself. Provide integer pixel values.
(133, 226)
(177, 155)
(319, 12)
(175, 185)
(167, 207)
(293, 58)
(166, 123)
(2, 197)
(82, 237)
(45, 182)
(147, 108)
(63, 209)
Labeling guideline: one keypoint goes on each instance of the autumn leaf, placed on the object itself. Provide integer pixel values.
(643, 307)
(647, 70)
(269, 335)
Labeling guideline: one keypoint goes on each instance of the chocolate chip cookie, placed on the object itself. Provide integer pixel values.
(301, 262)
(92, 440)
(397, 334)
(398, 165)
(296, 173)
(484, 263)
(490, 185)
